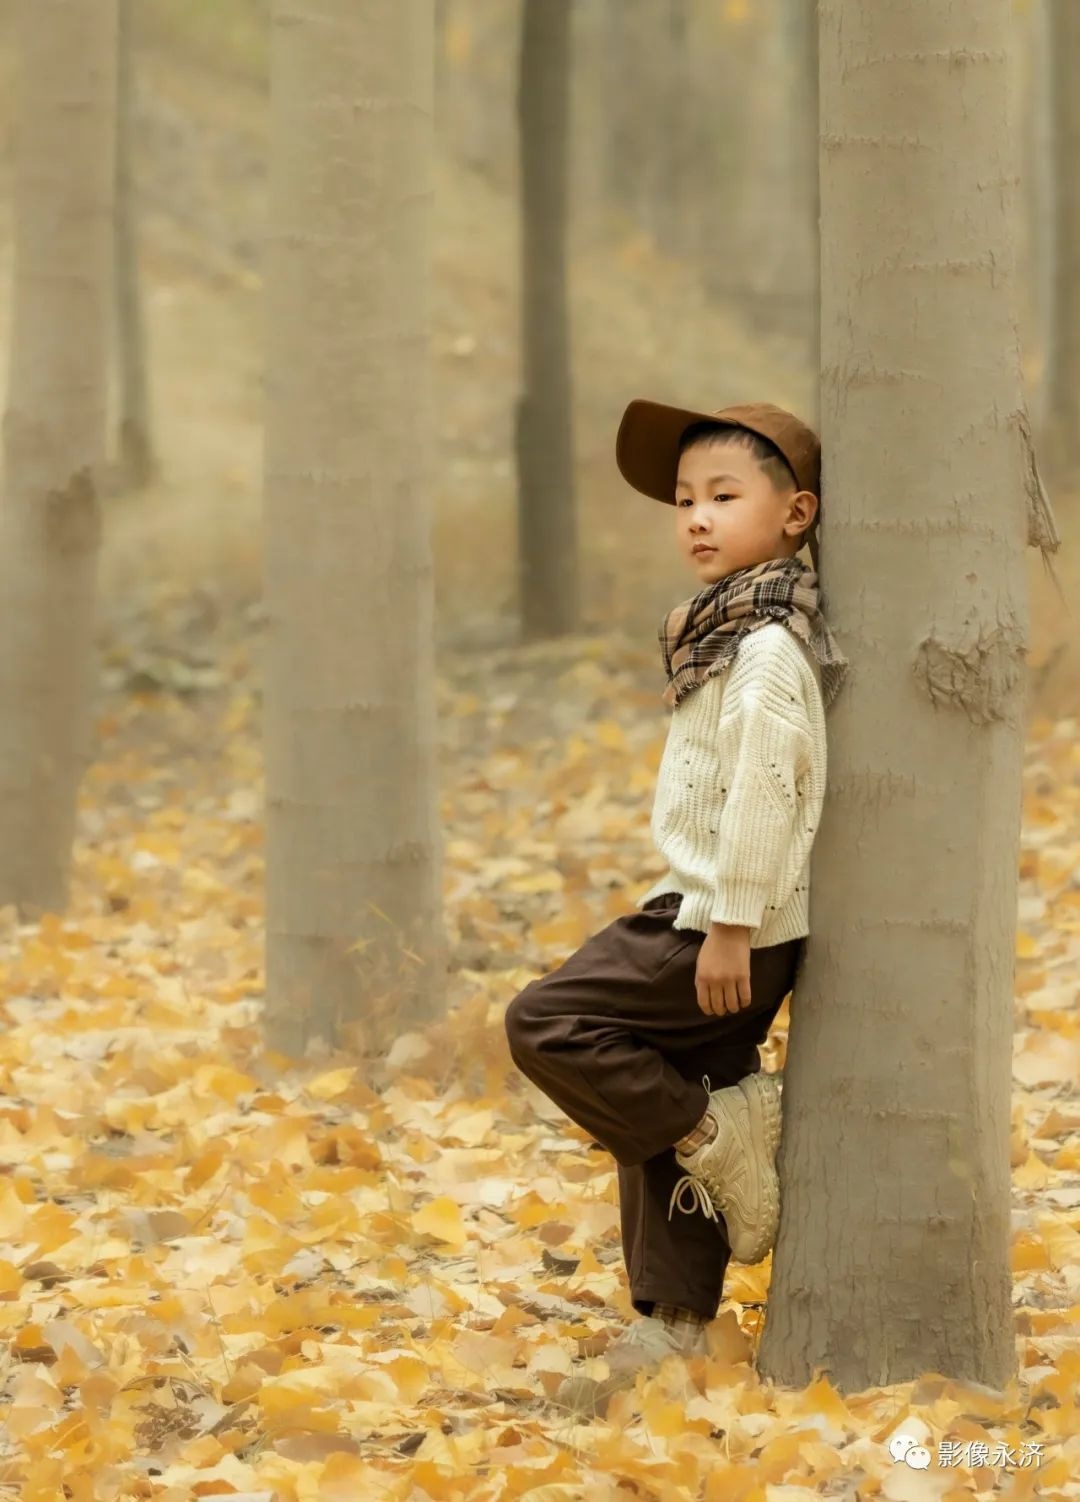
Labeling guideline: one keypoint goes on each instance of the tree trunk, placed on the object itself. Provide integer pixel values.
(893, 1253)
(799, 302)
(355, 947)
(1040, 178)
(617, 81)
(136, 450)
(54, 436)
(1033, 241)
(1063, 367)
(547, 523)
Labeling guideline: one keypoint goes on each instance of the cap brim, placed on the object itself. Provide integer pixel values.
(647, 445)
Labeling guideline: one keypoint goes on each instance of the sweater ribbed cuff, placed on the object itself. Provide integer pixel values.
(739, 901)
(701, 906)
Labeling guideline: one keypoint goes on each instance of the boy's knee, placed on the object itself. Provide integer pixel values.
(517, 1020)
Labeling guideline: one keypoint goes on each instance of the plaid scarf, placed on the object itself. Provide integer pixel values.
(702, 635)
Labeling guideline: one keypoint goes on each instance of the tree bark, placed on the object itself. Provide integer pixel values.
(54, 436)
(1063, 366)
(618, 81)
(355, 945)
(547, 521)
(892, 1257)
(800, 268)
(1040, 202)
(135, 443)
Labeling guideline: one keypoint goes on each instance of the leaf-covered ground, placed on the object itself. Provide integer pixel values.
(220, 1276)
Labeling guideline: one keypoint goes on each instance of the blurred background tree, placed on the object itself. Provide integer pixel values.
(135, 464)
(690, 276)
(689, 273)
(54, 435)
(355, 949)
(549, 603)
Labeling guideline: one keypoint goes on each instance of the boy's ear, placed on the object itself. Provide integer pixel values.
(810, 505)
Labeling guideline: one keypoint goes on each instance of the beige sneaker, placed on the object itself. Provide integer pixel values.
(642, 1345)
(735, 1173)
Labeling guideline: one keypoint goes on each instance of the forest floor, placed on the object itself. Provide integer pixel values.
(225, 1271)
(223, 1275)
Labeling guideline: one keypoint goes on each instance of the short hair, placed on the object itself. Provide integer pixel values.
(764, 451)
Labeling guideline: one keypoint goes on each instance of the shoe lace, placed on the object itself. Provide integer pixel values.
(706, 1193)
(700, 1198)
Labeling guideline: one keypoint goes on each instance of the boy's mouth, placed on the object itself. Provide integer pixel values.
(702, 549)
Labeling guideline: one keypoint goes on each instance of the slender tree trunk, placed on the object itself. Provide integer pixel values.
(54, 436)
(618, 82)
(1064, 354)
(355, 945)
(1039, 204)
(812, 71)
(547, 531)
(805, 136)
(136, 450)
(892, 1258)
(800, 271)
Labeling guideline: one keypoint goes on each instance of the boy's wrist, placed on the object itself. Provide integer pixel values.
(734, 927)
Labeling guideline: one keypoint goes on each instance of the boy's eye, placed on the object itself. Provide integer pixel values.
(720, 495)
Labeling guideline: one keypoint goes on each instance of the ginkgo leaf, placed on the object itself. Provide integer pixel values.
(441, 1218)
(332, 1083)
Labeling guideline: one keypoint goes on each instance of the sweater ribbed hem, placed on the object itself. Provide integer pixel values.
(777, 926)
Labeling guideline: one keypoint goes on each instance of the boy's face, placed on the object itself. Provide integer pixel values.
(724, 499)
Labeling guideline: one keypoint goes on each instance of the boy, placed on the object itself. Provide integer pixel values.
(684, 988)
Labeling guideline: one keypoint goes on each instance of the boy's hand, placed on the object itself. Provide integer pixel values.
(722, 978)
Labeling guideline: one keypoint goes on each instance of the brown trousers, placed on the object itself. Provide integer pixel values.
(616, 1038)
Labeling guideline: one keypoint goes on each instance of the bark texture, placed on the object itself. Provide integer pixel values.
(547, 513)
(54, 436)
(892, 1258)
(136, 449)
(355, 947)
(1063, 364)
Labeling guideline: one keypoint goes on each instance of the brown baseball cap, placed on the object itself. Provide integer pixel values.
(647, 443)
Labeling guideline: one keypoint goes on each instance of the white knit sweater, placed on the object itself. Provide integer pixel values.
(739, 791)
